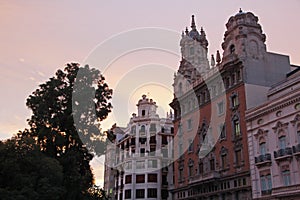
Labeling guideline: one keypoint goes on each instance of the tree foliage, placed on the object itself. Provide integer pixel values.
(26, 173)
(66, 113)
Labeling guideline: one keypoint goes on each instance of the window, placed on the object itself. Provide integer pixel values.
(222, 131)
(282, 142)
(152, 163)
(133, 130)
(128, 165)
(152, 178)
(180, 174)
(191, 146)
(180, 151)
(200, 168)
(212, 164)
(266, 182)
(143, 129)
(238, 157)
(262, 148)
(189, 124)
(140, 164)
(190, 170)
(164, 139)
(142, 152)
(140, 178)
(236, 126)
(153, 127)
(128, 179)
(152, 193)
(143, 112)
(165, 153)
(224, 161)
(172, 129)
(220, 108)
(234, 101)
(127, 194)
(238, 75)
(140, 193)
(232, 49)
(153, 139)
(286, 177)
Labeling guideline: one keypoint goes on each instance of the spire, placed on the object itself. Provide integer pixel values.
(193, 25)
(218, 57)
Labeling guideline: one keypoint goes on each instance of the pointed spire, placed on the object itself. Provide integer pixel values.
(212, 61)
(186, 31)
(193, 25)
(218, 57)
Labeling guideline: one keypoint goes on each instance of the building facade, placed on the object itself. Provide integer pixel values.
(274, 141)
(210, 101)
(144, 153)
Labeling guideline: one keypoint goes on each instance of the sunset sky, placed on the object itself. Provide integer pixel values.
(39, 37)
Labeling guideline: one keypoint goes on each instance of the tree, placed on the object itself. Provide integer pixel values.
(26, 173)
(66, 113)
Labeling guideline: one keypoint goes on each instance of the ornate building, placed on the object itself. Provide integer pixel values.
(210, 101)
(143, 154)
(274, 141)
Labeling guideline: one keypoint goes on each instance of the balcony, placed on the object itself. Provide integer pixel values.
(263, 160)
(266, 192)
(204, 177)
(283, 154)
(296, 150)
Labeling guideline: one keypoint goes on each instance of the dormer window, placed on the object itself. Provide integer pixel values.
(232, 49)
(143, 112)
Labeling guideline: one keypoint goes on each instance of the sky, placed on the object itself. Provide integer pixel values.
(39, 37)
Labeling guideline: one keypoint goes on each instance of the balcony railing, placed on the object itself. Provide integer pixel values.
(202, 177)
(283, 153)
(152, 142)
(263, 159)
(266, 192)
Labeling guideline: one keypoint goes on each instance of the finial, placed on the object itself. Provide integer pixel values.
(218, 57)
(182, 34)
(202, 31)
(240, 10)
(212, 61)
(186, 31)
(193, 25)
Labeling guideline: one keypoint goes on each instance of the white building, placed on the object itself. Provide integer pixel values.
(144, 155)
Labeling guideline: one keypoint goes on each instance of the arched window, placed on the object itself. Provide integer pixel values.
(143, 129)
(282, 142)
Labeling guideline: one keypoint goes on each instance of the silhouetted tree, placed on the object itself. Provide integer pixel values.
(27, 173)
(66, 112)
